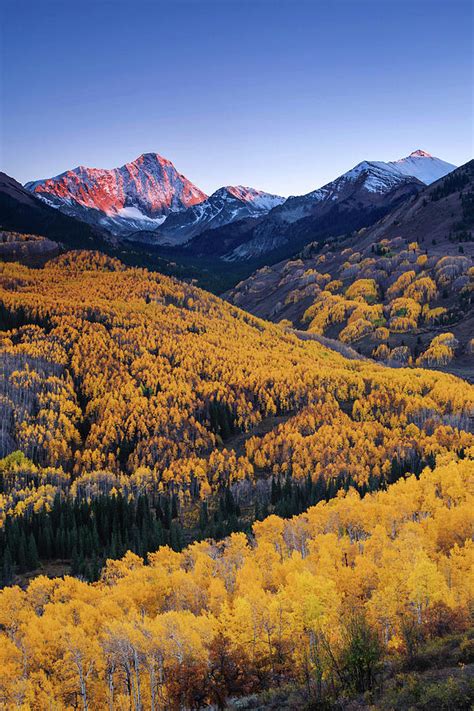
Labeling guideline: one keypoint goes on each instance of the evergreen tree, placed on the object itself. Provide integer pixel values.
(32, 560)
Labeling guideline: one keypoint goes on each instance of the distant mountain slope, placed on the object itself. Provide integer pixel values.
(138, 195)
(228, 204)
(327, 288)
(423, 166)
(26, 248)
(300, 220)
(355, 199)
(374, 177)
(20, 211)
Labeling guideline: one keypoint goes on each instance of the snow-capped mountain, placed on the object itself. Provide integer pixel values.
(265, 293)
(149, 199)
(353, 200)
(423, 166)
(226, 205)
(138, 195)
(376, 177)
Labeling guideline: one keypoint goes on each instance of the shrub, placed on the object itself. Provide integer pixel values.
(401, 354)
(382, 333)
(382, 352)
(365, 289)
(441, 620)
(334, 286)
(440, 351)
(422, 290)
(399, 286)
(355, 330)
(361, 654)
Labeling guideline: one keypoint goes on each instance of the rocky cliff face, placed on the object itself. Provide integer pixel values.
(138, 195)
(226, 205)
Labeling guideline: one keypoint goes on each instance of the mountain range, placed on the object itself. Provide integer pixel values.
(149, 214)
(149, 200)
(356, 199)
(146, 194)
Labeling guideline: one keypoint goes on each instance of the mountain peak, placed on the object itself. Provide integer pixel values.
(419, 154)
(259, 198)
(150, 158)
(148, 187)
(423, 165)
(228, 204)
(243, 193)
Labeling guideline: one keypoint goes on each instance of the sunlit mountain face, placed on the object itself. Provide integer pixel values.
(225, 206)
(137, 195)
(355, 199)
(149, 195)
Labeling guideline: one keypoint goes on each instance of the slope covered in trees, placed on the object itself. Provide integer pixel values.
(121, 395)
(328, 600)
(389, 290)
(139, 414)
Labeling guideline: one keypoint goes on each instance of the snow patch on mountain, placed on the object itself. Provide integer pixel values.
(423, 166)
(133, 213)
(227, 204)
(130, 219)
(150, 184)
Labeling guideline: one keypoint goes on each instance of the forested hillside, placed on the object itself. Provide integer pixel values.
(400, 291)
(140, 414)
(328, 600)
(122, 383)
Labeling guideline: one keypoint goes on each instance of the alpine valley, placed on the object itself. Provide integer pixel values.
(152, 215)
(259, 500)
(236, 356)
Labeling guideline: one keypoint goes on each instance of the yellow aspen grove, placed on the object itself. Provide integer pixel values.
(146, 634)
(198, 505)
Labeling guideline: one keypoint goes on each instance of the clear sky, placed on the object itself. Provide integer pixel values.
(280, 95)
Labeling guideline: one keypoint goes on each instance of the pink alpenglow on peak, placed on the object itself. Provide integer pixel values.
(423, 166)
(419, 154)
(150, 185)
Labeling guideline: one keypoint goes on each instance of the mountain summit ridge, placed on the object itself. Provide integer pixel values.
(226, 205)
(148, 195)
(355, 199)
(150, 186)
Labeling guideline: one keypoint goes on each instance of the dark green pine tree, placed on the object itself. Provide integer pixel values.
(76, 562)
(176, 537)
(21, 553)
(7, 568)
(203, 517)
(166, 513)
(174, 506)
(32, 560)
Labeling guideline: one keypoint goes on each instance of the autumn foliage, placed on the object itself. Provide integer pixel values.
(219, 619)
(122, 396)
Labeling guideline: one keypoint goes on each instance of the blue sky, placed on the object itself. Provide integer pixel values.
(280, 95)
